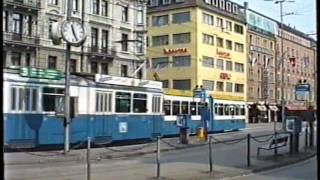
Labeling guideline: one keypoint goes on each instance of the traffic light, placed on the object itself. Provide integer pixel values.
(292, 61)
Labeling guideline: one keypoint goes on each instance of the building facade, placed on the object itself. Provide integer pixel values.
(261, 42)
(298, 47)
(115, 30)
(198, 43)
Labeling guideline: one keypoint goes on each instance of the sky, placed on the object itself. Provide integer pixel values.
(305, 10)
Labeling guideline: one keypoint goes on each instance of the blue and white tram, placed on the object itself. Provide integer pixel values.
(107, 109)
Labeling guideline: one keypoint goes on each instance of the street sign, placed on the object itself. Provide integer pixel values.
(40, 73)
(302, 92)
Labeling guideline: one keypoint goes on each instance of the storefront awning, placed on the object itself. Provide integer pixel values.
(273, 108)
(262, 108)
(296, 108)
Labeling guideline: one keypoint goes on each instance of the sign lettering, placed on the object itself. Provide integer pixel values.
(225, 76)
(175, 51)
(40, 73)
(222, 54)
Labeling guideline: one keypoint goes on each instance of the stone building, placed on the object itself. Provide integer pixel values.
(115, 35)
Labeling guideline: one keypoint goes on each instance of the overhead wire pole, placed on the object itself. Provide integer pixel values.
(67, 87)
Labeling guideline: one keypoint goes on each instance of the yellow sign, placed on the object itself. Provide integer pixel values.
(175, 92)
(175, 51)
(228, 97)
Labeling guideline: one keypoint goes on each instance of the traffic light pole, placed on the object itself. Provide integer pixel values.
(282, 69)
(67, 88)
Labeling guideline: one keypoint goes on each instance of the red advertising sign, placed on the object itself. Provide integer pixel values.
(175, 51)
(225, 76)
(223, 54)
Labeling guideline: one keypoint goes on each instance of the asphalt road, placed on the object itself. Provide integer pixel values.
(180, 164)
(304, 170)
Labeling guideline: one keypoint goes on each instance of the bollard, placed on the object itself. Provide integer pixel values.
(248, 149)
(276, 143)
(311, 134)
(158, 157)
(306, 139)
(210, 153)
(291, 143)
(88, 159)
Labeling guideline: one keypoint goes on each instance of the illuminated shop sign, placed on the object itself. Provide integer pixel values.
(175, 51)
(225, 76)
(40, 73)
(223, 54)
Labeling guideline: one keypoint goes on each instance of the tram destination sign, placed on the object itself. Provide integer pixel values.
(40, 73)
(302, 92)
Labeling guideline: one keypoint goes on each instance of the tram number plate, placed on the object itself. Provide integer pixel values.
(123, 127)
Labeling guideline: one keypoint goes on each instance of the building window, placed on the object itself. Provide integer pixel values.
(160, 40)
(207, 62)
(228, 25)
(73, 65)
(94, 67)
(52, 62)
(181, 61)
(239, 67)
(235, 9)
(219, 22)
(16, 58)
(165, 83)
(95, 6)
(207, 39)
(139, 103)
(140, 47)
(160, 20)
(208, 85)
(123, 102)
(105, 40)
(28, 59)
(140, 16)
(125, 13)
(154, 3)
(104, 68)
(238, 88)
(104, 8)
(181, 38)
(29, 25)
(178, 18)
(162, 62)
(94, 37)
(219, 86)
(229, 9)
(219, 64)
(50, 27)
(181, 84)
(219, 42)
(229, 44)
(124, 42)
(229, 87)
(75, 5)
(207, 19)
(17, 23)
(5, 21)
(238, 28)
(238, 47)
(229, 66)
(124, 70)
(222, 4)
(53, 2)
(166, 2)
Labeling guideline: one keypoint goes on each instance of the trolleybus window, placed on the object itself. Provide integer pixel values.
(184, 107)
(123, 102)
(49, 99)
(139, 103)
(175, 107)
(167, 107)
(193, 108)
(156, 102)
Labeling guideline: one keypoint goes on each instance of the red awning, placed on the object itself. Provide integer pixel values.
(296, 108)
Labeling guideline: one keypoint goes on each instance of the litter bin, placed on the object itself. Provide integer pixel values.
(184, 135)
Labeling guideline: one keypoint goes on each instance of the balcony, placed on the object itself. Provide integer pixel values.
(22, 5)
(20, 39)
(100, 52)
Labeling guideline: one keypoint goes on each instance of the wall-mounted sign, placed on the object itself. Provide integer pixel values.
(123, 127)
(222, 54)
(175, 51)
(225, 76)
(40, 73)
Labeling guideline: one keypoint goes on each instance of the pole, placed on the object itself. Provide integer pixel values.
(210, 154)
(88, 159)
(276, 148)
(248, 149)
(67, 87)
(158, 157)
(306, 138)
(282, 68)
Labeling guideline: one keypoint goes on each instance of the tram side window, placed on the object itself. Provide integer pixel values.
(236, 110)
(232, 110)
(242, 111)
(139, 103)
(184, 107)
(103, 101)
(175, 107)
(220, 108)
(24, 99)
(156, 103)
(216, 108)
(193, 108)
(226, 109)
(49, 100)
(167, 107)
(123, 102)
